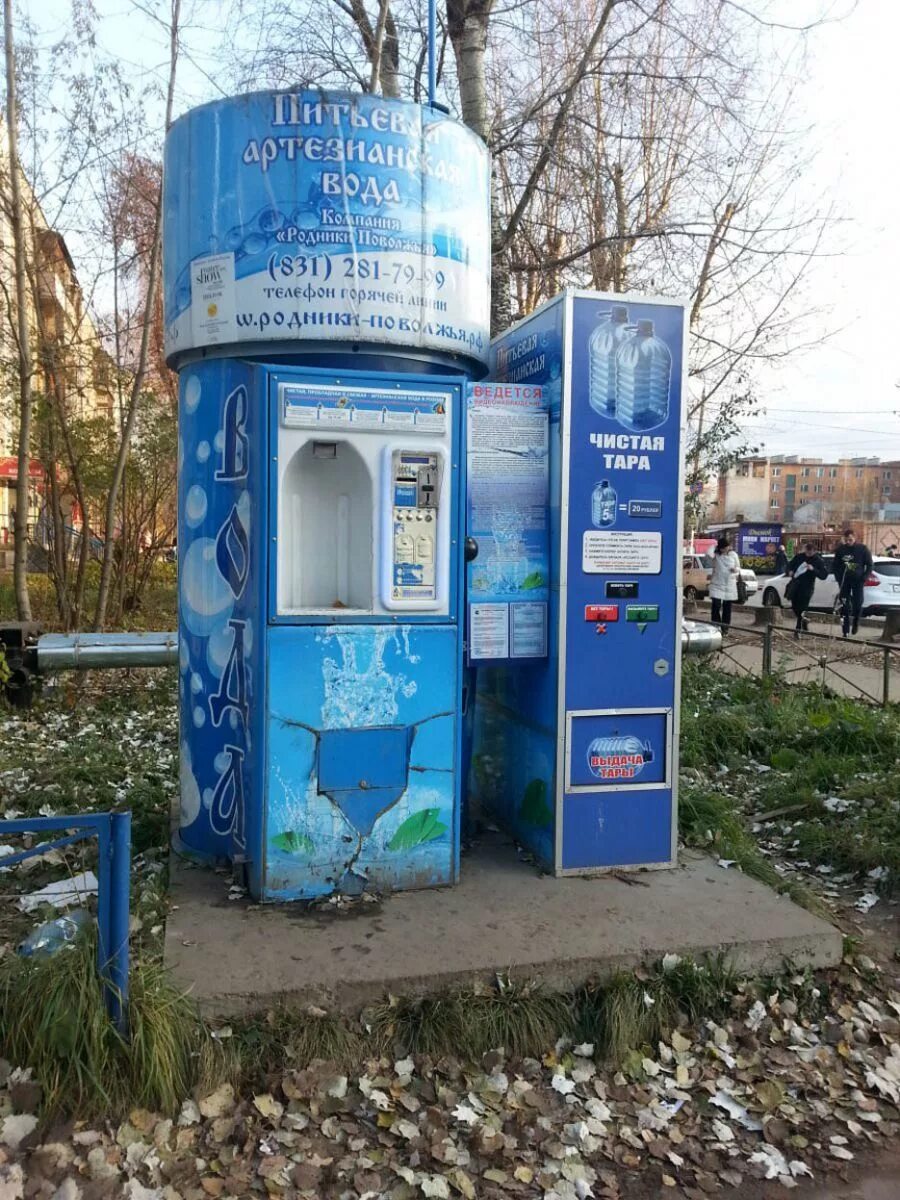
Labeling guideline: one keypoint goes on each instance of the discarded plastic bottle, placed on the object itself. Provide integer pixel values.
(50, 937)
(603, 505)
(603, 348)
(643, 371)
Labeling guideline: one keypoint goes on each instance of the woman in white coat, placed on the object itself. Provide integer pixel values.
(723, 582)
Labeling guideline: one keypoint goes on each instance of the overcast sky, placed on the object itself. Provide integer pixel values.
(840, 398)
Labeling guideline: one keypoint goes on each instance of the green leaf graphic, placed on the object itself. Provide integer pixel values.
(534, 809)
(421, 827)
(293, 842)
(534, 580)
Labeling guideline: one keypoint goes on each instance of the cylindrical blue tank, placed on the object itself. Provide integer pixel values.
(314, 228)
(295, 221)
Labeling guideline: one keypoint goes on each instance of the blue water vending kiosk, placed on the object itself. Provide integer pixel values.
(327, 294)
(576, 728)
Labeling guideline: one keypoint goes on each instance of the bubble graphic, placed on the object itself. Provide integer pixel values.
(222, 761)
(196, 684)
(199, 717)
(271, 220)
(219, 441)
(233, 719)
(254, 243)
(218, 650)
(208, 794)
(195, 506)
(184, 654)
(243, 510)
(191, 394)
(203, 452)
(190, 792)
(206, 598)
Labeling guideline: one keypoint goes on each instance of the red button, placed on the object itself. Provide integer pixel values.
(601, 612)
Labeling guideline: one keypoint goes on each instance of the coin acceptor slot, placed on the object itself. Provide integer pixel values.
(417, 543)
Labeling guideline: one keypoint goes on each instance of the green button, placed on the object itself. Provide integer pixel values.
(642, 612)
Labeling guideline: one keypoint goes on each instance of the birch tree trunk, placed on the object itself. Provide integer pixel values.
(26, 370)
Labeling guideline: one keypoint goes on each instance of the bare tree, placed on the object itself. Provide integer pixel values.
(25, 367)
(636, 145)
(140, 372)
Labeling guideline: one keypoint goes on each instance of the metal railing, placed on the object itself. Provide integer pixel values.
(850, 666)
(113, 834)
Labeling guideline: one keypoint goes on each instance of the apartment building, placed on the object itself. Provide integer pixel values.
(69, 360)
(810, 492)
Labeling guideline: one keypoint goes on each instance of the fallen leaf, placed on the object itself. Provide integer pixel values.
(217, 1104)
(561, 1084)
(436, 1186)
(770, 1094)
(14, 1129)
(267, 1106)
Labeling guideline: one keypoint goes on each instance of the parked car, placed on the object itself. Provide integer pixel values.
(696, 570)
(882, 590)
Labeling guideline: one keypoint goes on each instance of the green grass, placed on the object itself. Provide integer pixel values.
(786, 745)
(638, 1009)
(524, 1019)
(52, 1019)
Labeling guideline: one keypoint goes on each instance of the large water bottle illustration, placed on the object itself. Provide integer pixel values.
(643, 371)
(603, 505)
(603, 347)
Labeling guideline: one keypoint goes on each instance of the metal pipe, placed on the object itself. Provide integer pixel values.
(88, 651)
(93, 651)
(432, 61)
(700, 639)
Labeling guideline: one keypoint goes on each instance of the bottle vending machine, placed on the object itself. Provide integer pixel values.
(575, 750)
(320, 637)
(327, 261)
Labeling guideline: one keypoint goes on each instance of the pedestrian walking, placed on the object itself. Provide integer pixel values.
(804, 569)
(723, 582)
(781, 560)
(852, 565)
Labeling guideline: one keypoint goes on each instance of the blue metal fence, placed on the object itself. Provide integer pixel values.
(113, 833)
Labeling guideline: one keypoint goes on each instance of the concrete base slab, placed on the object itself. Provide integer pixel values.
(502, 916)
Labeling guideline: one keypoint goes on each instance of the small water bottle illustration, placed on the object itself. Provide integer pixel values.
(643, 371)
(603, 348)
(603, 505)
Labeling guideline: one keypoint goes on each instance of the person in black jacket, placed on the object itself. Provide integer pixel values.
(852, 564)
(804, 569)
(781, 561)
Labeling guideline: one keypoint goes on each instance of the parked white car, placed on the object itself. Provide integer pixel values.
(696, 570)
(881, 592)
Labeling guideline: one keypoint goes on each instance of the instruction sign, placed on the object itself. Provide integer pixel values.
(314, 406)
(622, 551)
(507, 511)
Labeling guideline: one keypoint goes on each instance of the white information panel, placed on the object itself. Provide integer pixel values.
(489, 630)
(621, 551)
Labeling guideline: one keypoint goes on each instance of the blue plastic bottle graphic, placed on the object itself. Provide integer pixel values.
(643, 371)
(603, 348)
(603, 505)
